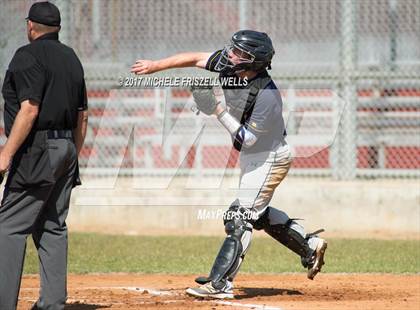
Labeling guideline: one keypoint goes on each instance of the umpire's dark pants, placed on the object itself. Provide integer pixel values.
(39, 211)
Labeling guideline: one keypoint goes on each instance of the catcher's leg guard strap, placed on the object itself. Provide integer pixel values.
(278, 225)
(232, 251)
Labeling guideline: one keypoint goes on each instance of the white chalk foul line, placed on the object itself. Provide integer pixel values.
(251, 306)
(221, 302)
(142, 290)
(73, 301)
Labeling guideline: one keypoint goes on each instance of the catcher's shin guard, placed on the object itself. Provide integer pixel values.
(231, 254)
(288, 232)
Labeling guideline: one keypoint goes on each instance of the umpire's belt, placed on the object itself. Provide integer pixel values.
(60, 134)
(39, 137)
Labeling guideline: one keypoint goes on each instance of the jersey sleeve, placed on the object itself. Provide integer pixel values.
(28, 76)
(213, 60)
(83, 101)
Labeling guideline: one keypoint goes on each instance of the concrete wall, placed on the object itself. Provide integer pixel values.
(374, 208)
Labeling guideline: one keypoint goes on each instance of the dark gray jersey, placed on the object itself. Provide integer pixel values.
(265, 120)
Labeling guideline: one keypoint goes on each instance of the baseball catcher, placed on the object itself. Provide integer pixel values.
(253, 118)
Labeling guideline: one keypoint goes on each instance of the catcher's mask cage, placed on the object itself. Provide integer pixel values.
(243, 57)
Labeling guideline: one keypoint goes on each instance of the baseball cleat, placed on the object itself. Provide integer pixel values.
(318, 259)
(208, 291)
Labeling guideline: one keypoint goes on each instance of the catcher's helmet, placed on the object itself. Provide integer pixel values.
(253, 49)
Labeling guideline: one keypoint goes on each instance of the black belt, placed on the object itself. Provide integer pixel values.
(60, 134)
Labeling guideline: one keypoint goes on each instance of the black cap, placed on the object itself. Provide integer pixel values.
(44, 13)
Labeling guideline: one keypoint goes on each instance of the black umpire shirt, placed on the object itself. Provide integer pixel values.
(50, 73)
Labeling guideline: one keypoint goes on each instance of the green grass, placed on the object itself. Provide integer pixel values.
(108, 253)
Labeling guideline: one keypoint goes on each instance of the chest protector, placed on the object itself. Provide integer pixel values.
(241, 100)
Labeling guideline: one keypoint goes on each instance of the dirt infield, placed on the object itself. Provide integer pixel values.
(283, 291)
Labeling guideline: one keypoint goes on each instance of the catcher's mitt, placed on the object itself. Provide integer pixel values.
(205, 99)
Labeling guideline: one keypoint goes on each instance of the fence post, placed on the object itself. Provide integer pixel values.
(334, 153)
(348, 128)
(242, 14)
(64, 7)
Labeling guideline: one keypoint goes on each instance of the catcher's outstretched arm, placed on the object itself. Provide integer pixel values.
(192, 59)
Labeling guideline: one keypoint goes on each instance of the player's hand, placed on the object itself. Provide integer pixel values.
(143, 66)
(5, 161)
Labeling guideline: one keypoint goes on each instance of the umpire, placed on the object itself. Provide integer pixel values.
(45, 120)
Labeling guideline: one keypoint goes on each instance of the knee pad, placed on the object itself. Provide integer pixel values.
(236, 211)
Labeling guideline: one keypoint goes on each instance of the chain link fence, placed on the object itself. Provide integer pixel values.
(349, 74)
